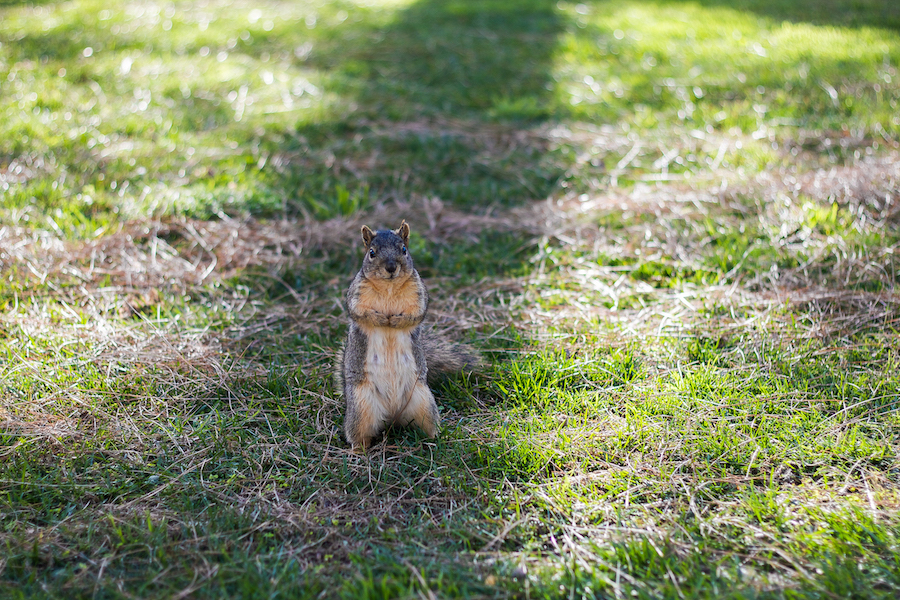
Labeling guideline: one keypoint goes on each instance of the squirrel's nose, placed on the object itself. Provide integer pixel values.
(390, 266)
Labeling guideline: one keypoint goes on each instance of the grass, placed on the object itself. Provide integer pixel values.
(670, 227)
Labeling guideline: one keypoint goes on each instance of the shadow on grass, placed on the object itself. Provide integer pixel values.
(489, 58)
(444, 100)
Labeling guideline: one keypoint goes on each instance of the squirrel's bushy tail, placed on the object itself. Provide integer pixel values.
(444, 357)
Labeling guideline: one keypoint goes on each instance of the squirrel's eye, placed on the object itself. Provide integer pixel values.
(403, 249)
(372, 252)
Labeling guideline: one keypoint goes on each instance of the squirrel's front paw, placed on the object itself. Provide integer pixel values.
(379, 318)
(401, 321)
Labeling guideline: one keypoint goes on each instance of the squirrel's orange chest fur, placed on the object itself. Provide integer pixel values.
(390, 364)
(389, 298)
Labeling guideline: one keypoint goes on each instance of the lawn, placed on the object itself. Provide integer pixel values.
(671, 228)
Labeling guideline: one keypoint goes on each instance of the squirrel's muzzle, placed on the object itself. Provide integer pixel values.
(390, 266)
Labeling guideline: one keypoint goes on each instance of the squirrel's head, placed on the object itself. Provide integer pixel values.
(387, 253)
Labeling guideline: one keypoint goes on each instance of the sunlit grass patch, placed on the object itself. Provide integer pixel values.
(672, 58)
(466, 168)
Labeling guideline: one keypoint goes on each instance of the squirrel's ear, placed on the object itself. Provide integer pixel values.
(367, 235)
(403, 232)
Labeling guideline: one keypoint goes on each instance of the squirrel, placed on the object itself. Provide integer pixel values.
(387, 358)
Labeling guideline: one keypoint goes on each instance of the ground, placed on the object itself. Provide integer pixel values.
(671, 228)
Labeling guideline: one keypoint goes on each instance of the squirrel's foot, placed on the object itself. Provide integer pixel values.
(360, 444)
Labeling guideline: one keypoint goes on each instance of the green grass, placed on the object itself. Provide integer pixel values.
(671, 228)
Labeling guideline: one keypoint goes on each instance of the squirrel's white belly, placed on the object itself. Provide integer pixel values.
(391, 367)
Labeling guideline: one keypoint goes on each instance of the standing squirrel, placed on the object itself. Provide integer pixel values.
(383, 367)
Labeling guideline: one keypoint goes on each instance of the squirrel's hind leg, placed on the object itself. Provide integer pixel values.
(365, 416)
(422, 410)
